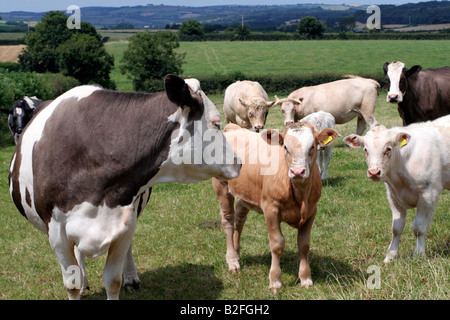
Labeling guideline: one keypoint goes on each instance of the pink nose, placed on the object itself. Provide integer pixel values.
(393, 97)
(297, 172)
(288, 122)
(259, 127)
(374, 174)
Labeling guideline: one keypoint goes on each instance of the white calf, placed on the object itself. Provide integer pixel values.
(321, 120)
(414, 163)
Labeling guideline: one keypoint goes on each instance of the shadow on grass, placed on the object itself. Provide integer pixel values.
(178, 282)
(323, 269)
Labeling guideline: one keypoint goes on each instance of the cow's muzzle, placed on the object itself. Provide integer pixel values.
(374, 174)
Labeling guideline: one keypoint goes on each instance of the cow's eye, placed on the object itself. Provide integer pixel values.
(217, 124)
(311, 151)
(365, 152)
(388, 150)
(286, 149)
(250, 115)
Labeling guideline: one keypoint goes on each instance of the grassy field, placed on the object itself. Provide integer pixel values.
(179, 246)
(306, 57)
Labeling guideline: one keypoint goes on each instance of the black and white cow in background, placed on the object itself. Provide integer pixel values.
(84, 167)
(20, 114)
(421, 94)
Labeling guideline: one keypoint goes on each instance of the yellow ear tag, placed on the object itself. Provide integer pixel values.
(328, 140)
(403, 142)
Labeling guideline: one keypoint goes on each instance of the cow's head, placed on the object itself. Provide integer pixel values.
(257, 110)
(199, 149)
(300, 142)
(397, 80)
(19, 116)
(380, 145)
(288, 108)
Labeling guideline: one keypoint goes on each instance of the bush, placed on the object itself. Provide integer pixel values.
(149, 57)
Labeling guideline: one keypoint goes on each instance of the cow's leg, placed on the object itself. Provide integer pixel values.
(130, 276)
(425, 210)
(398, 223)
(82, 263)
(326, 155)
(112, 273)
(239, 221)
(361, 125)
(64, 251)
(303, 238)
(277, 244)
(226, 203)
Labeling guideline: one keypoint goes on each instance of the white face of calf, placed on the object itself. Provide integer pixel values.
(379, 146)
(300, 142)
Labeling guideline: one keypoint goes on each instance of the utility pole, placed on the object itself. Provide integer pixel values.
(242, 21)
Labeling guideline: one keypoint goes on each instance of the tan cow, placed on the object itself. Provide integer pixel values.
(246, 104)
(344, 99)
(288, 192)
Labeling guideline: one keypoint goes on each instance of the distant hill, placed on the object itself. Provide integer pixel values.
(263, 16)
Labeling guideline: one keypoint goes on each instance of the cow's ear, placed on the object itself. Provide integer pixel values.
(177, 90)
(402, 139)
(244, 102)
(327, 136)
(385, 67)
(414, 70)
(7, 111)
(354, 141)
(272, 137)
(298, 101)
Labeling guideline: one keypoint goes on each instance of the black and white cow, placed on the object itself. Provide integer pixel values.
(20, 114)
(421, 94)
(84, 168)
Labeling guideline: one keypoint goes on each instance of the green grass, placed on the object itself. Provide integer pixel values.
(179, 247)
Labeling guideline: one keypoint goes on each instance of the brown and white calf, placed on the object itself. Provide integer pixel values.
(246, 104)
(84, 167)
(344, 99)
(414, 164)
(280, 179)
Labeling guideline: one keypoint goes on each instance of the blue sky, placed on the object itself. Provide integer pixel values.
(46, 5)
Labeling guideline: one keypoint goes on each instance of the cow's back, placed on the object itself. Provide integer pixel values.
(338, 98)
(89, 162)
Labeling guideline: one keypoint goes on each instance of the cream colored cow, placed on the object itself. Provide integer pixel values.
(246, 104)
(343, 99)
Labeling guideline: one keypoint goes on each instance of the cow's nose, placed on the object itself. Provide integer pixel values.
(258, 127)
(19, 130)
(393, 97)
(297, 172)
(286, 123)
(374, 174)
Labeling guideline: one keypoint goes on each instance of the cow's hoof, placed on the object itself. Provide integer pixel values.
(306, 283)
(132, 285)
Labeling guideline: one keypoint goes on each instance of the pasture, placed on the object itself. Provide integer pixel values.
(179, 246)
